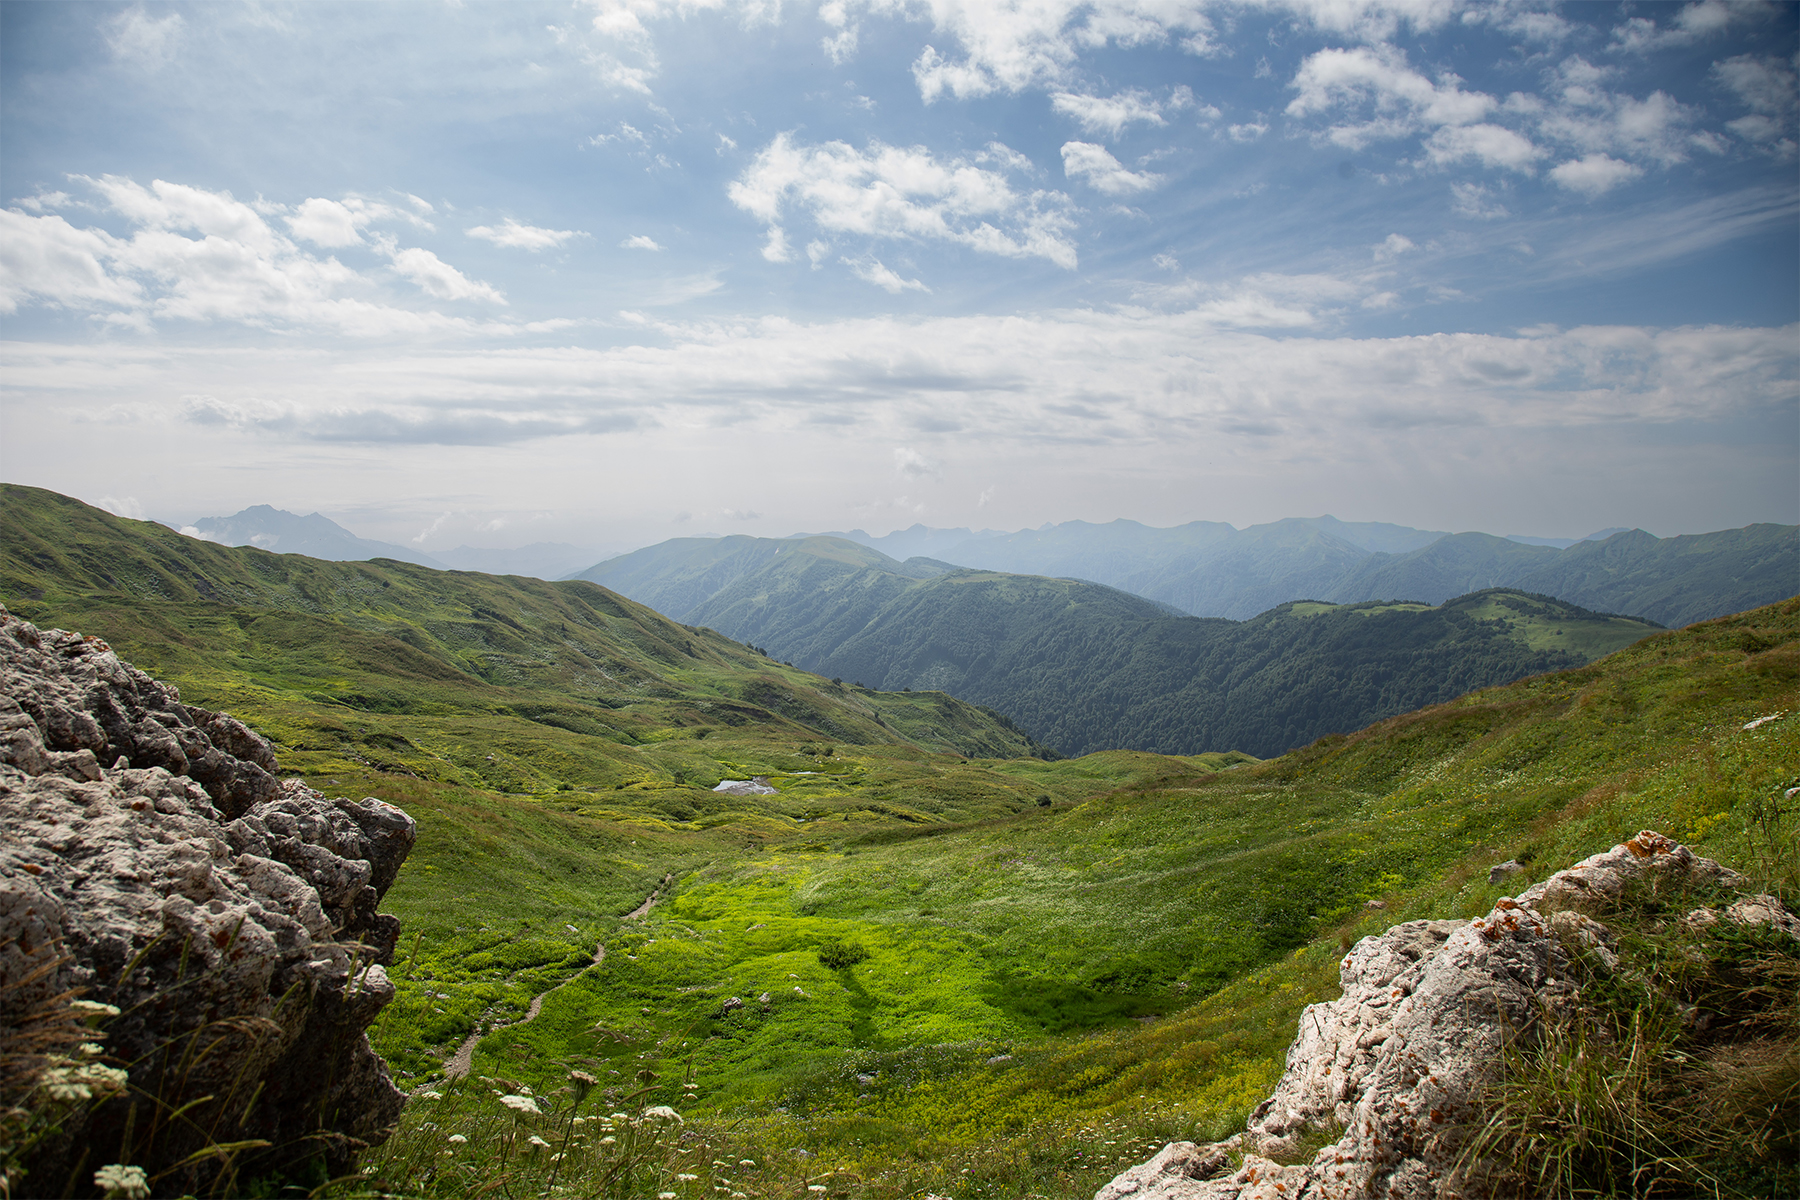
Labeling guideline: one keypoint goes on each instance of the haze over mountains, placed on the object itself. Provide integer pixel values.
(1210, 569)
(317, 536)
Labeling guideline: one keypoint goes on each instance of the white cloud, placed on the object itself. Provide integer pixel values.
(913, 465)
(873, 271)
(1111, 114)
(324, 223)
(135, 36)
(47, 259)
(1393, 246)
(1594, 174)
(1131, 378)
(237, 267)
(1692, 23)
(1376, 85)
(776, 248)
(1490, 145)
(438, 277)
(513, 235)
(1766, 86)
(890, 192)
(1247, 132)
(1095, 165)
(126, 506)
(640, 242)
(1473, 200)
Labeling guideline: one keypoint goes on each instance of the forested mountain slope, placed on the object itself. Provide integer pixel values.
(1084, 667)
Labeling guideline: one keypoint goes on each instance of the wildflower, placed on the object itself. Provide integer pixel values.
(457, 1139)
(431, 1095)
(747, 1162)
(120, 1180)
(522, 1104)
(686, 1178)
(609, 1141)
(92, 1049)
(538, 1143)
(817, 1187)
(662, 1112)
(90, 1009)
(665, 1196)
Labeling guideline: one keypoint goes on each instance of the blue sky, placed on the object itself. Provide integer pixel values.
(611, 272)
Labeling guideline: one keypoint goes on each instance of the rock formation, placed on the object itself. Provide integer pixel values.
(1399, 1062)
(150, 860)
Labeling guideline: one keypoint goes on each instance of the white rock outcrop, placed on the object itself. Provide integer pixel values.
(1399, 1061)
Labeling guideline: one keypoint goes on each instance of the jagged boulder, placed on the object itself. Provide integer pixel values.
(231, 918)
(1398, 1063)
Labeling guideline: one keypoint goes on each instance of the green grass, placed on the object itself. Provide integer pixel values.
(1131, 955)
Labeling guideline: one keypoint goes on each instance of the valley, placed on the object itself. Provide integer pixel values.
(1045, 966)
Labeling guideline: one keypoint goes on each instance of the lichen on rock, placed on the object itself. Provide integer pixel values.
(151, 858)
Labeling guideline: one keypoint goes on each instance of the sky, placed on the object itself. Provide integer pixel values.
(621, 270)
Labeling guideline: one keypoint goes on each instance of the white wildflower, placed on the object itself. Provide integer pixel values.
(538, 1143)
(118, 1179)
(457, 1139)
(686, 1178)
(431, 1095)
(522, 1104)
(662, 1112)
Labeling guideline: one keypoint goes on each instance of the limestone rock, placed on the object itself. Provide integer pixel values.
(1398, 1062)
(231, 918)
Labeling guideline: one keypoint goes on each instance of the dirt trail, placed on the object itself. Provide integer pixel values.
(458, 1064)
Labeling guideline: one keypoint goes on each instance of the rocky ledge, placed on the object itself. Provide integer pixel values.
(1399, 1062)
(151, 860)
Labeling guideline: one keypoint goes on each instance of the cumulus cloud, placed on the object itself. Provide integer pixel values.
(1691, 23)
(1767, 87)
(1594, 174)
(516, 236)
(1111, 114)
(197, 255)
(324, 223)
(873, 271)
(439, 278)
(1101, 171)
(1382, 95)
(640, 242)
(890, 192)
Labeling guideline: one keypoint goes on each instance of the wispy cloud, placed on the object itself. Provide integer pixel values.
(516, 236)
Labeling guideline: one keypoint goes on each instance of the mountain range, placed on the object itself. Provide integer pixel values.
(1082, 667)
(1210, 569)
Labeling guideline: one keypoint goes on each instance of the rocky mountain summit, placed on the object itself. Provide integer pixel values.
(151, 861)
(1393, 1073)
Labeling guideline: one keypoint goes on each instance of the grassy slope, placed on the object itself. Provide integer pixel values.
(997, 925)
(1035, 935)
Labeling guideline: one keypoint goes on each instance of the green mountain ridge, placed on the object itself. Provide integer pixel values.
(566, 670)
(1085, 667)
